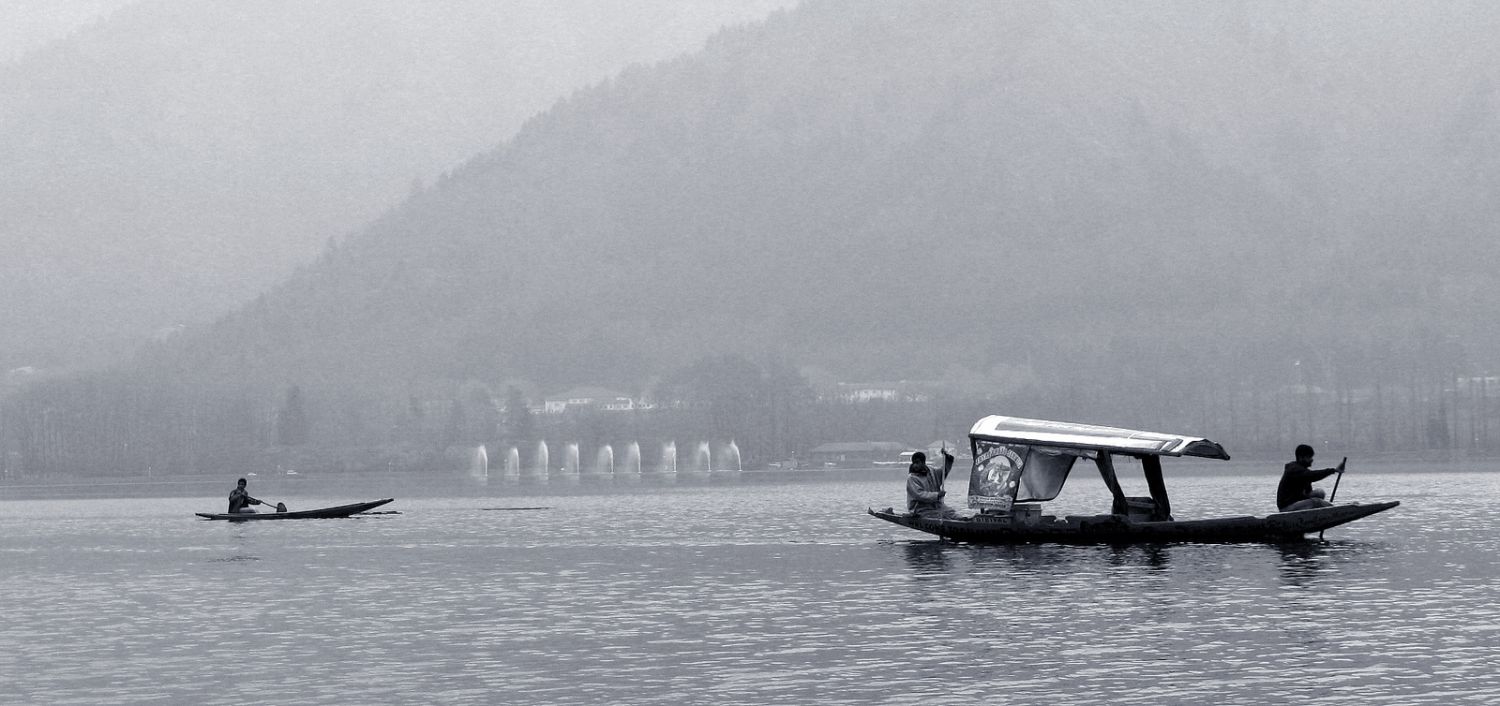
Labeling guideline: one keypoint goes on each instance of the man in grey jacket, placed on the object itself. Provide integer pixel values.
(924, 487)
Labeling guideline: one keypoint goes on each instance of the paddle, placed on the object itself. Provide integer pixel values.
(942, 486)
(1335, 492)
(1338, 478)
(942, 477)
(943, 474)
(280, 507)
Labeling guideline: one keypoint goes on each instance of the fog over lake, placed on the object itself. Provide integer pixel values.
(692, 281)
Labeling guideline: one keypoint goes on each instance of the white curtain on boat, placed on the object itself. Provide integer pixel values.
(1047, 469)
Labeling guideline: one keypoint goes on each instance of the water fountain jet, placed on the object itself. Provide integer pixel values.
(512, 464)
(604, 461)
(479, 465)
(633, 458)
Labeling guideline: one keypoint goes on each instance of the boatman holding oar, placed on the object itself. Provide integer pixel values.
(1295, 492)
(240, 500)
(924, 487)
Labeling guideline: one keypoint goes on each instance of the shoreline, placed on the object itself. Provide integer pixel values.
(459, 483)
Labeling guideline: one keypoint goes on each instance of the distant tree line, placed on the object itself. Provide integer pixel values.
(1415, 399)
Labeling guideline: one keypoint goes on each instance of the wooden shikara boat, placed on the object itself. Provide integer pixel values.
(1021, 462)
(1115, 529)
(318, 514)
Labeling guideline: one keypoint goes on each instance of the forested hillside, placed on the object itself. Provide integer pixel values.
(891, 189)
(1251, 216)
(174, 159)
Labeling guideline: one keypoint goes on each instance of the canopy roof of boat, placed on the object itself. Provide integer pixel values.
(1042, 432)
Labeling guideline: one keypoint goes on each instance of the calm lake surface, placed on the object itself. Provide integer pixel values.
(747, 591)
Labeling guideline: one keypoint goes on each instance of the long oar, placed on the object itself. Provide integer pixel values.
(943, 461)
(1336, 480)
(1335, 492)
(280, 507)
(943, 473)
(942, 485)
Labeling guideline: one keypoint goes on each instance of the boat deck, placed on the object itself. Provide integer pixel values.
(1108, 529)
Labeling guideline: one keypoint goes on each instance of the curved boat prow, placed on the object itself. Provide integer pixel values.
(1323, 518)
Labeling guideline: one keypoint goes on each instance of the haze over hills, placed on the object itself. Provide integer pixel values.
(177, 157)
(26, 25)
(909, 189)
(1274, 221)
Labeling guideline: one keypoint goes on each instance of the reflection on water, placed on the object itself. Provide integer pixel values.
(1024, 558)
(1151, 556)
(926, 557)
(1301, 562)
(742, 594)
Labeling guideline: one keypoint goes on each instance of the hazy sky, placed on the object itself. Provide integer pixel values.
(182, 155)
(28, 24)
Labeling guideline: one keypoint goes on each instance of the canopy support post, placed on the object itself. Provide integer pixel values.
(1152, 466)
(1107, 469)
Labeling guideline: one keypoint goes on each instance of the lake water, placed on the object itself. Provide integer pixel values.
(745, 591)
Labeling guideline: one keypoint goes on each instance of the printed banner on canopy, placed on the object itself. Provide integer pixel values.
(996, 475)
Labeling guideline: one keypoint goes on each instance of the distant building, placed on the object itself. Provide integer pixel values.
(934, 452)
(856, 453)
(166, 333)
(863, 392)
(1480, 386)
(16, 377)
(900, 391)
(589, 398)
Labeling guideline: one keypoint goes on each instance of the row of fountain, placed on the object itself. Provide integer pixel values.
(702, 460)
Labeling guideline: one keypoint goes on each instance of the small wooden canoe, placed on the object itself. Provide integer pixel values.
(318, 514)
(1119, 529)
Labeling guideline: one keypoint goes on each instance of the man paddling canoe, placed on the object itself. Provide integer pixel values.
(240, 500)
(1295, 492)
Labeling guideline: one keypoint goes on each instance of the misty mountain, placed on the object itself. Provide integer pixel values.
(175, 158)
(909, 189)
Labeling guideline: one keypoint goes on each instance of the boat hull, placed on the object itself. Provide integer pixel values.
(1117, 529)
(318, 514)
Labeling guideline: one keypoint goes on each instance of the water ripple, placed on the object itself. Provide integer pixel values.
(747, 594)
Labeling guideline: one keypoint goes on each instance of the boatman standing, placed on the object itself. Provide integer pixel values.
(924, 487)
(240, 500)
(1295, 491)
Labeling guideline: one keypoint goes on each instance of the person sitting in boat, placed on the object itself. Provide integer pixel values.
(1295, 492)
(924, 487)
(240, 500)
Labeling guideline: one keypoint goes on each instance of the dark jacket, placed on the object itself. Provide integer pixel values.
(1296, 482)
(239, 500)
